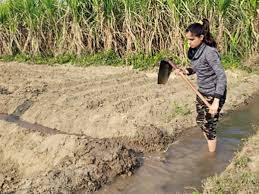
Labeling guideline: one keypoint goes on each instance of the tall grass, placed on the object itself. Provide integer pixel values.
(79, 27)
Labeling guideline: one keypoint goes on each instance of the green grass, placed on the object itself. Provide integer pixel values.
(181, 109)
(137, 61)
(111, 58)
(178, 109)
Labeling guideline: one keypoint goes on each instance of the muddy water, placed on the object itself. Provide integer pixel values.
(187, 162)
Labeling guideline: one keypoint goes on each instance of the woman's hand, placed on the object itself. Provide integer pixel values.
(214, 107)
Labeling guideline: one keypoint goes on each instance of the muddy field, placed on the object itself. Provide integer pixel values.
(90, 124)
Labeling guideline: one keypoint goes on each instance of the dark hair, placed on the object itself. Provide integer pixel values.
(198, 29)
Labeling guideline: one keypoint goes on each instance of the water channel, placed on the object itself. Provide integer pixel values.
(187, 161)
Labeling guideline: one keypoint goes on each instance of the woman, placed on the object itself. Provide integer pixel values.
(211, 77)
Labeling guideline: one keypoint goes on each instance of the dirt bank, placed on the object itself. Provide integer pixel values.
(123, 107)
(36, 162)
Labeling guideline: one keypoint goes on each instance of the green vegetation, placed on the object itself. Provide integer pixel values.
(109, 57)
(137, 33)
(178, 109)
(241, 176)
(181, 109)
(138, 61)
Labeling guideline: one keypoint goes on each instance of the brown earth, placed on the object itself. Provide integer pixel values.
(104, 118)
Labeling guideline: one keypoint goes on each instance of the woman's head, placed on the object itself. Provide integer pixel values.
(197, 33)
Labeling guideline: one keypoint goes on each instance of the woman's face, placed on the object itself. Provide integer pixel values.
(194, 41)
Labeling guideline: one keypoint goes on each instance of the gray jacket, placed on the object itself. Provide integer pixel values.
(211, 77)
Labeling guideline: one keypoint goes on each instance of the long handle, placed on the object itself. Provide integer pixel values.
(194, 89)
(184, 77)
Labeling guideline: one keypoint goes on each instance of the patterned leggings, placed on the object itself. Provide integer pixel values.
(204, 120)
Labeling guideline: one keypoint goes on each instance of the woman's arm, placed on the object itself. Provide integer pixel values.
(213, 59)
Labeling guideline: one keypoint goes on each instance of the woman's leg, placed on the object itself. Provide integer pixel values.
(210, 130)
(211, 125)
(207, 123)
(212, 145)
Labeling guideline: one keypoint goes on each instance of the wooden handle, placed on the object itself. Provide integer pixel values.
(194, 89)
(184, 77)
